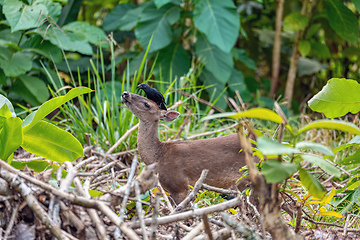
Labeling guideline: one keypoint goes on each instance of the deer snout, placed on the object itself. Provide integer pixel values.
(125, 96)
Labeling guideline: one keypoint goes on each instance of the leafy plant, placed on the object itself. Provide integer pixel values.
(36, 135)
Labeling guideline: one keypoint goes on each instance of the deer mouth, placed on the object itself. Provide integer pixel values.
(124, 97)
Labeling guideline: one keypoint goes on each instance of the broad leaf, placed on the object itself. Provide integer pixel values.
(354, 185)
(36, 86)
(11, 137)
(5, 113)
(66, 40)
(276, 171)
(51, 142)
(219, 63)
(156, 23)
(241, 55)
(172, 61)
(304, 47)
(38, 45)
(50, 106)
(219, 21)
(268, 146)
(342, 20)
(215, 88)
(337, 98)
(91, 33)
(313, 185)
(112, 20)
(36, 165)
(69, 12)
(295, 21)
(327, 167)
(321, 50)
(18, 64)
(160, 3)
(132, 16)
(353, 142)
(331, 124)
(237, 83)
(3, 101)
(314, 146)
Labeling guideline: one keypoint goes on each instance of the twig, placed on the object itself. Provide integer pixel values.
(207, 227)
(167, 201)
(12, 220)
(299, 206)
(243, 230)
(123, 137)
(31, 201)
(193, 213)
(346, 225)
(154, 217)
(194, 232)
(192, 194)
(219, 190)
(139, 210)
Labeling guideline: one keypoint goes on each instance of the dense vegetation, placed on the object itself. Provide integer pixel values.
(267, 65)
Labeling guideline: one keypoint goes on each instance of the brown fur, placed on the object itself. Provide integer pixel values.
(179, 164)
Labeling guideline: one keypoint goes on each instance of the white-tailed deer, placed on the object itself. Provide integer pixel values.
(180, 164)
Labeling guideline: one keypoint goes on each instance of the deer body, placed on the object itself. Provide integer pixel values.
(180, 164)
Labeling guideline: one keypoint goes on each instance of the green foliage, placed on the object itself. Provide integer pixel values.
(337, 98)
(295, 22)
(37, 136)
(31, 37)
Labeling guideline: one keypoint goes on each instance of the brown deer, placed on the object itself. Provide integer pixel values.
(180, 164)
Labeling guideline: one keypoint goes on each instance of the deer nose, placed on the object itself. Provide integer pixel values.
(125, 95)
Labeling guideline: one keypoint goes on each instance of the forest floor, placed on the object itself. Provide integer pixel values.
(35, 206)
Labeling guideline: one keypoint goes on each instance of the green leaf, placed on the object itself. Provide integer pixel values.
(36, 165)
(3, 101)
(10, 137)
(219, 63)
(50, 106)
(38, 45)
(343, 21)
(51, 142)
(94, 193)
(327, 167)
(309, 66)
(260, 113)
(237, 83)
(131, 18)
(36, 86)
(314, 146)
(112, 20)
(173, 60)
(321, 50)
(337, 98)
(156, 23)
(4, 113)
(295, 21)
(215, 88)
(357, 5)
(354, 185)
(313, 185)
(91, 33)
(69, 12)
(352, 159)
(353, 142)
(268, 146)
(66, 40)
(241, 55)
(219, 21)
(304, 48)
(331, 124)
(276, 171)
(18, 64)
(312, 30)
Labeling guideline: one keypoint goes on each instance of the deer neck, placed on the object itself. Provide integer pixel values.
(150, 148)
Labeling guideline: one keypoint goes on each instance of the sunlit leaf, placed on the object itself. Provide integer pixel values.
(276, 171)
(10, 137)
(295, 21)
(270, 147)
(327, 167)
(313, 185)
(315, 146)
(331, 124)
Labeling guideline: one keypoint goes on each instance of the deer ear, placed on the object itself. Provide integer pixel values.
(170, 115)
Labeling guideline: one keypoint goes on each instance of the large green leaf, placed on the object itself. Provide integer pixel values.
(36, 87)
(11, 137)
(91, 33)
(51, 142)
(218, 62)
(343, 21)
(69, 12)
(219, 21)
(327, 167)
(132, 16)
(313, 185)
(112, 20)
(268, 146)
(315, 146)
(172, 60)
(38, 45)
(22, 16)
(337, 98)
(295, 21)
(331, 124)
(157, 23)
(241, 55)
(3, 101)
(321, 50)
(160, 3)
(50, 106)
(68, 41)
(18, 64)
(276, 171)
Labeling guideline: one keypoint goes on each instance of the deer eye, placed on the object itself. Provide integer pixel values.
(146, 105)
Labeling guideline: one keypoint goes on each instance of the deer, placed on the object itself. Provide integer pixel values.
(180, 163)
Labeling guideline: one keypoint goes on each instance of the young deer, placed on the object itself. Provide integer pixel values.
(179, 164)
